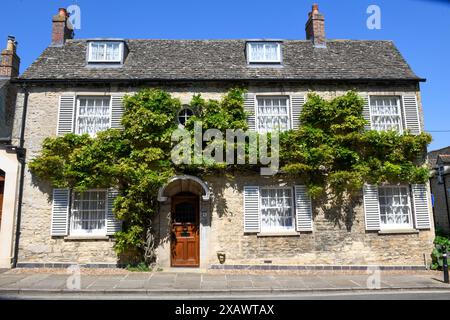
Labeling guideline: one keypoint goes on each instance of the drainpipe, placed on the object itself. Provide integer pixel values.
(21, 156)
(446, 200)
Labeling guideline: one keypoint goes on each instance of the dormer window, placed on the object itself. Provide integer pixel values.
(105, 52)
(264, 52)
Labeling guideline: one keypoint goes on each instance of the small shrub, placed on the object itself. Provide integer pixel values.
(442, 244)
(141, 267)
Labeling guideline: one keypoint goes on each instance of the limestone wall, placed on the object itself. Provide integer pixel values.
(329, 243)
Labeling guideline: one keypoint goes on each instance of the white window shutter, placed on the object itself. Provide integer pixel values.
(366, 111)
(297, 102)
(66, 114)
(112, 224)
(421, 206)
(60, 213)
(411, 112)
(371, 207)
(117, 111)
(251, 210)
(303, 209)
(250, 108)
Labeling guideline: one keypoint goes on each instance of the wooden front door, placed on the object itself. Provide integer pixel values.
(185, 246)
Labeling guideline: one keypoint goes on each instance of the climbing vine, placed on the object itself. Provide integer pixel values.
(331, 151)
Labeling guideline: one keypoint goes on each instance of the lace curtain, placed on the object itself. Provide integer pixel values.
(93, 115)
(276, 209)
(273, 114)
(261, 52)
(105, 51)
(385, 113)
(394, 205)
(89, 212)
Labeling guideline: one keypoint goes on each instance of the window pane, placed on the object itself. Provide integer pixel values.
(105, 51)
(264, 52)
(273, 114)
(385, 113)
(276, 209)
(93, 115)
(89, 212)
(271, 52)
(395, 209)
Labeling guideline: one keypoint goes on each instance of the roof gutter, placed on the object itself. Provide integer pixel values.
(145, 80)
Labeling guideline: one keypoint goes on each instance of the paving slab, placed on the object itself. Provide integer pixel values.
(171, 283)
(50, 284)
(159, 285)
(28, 281)
(214, 277)
(238, 277)
(339, 282)
(240, 284)
(103, 284)
(293, 284)
(262, 278)
(130, 284)
(218, 285)
(138, 276)
(187, 284)
(315, 282)
(267, 285)
(7, 279)
(189, 277)
(86, 281)
(163, 277)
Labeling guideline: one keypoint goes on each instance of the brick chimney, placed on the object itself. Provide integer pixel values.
(62, 28)
(10, 62)
(315, 27)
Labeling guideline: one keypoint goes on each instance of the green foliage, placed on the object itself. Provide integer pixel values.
(336, 156)
(331, 151)
(136, 160)
(140, 267)
(442, 245)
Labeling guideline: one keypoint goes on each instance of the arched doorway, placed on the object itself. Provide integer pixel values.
(185, 226)
(185, 201)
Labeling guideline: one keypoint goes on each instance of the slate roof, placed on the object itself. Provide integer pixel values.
(226, 60)
(433, 155)
(3, 82)
(445, 158)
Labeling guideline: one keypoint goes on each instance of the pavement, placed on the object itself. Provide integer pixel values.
(168, 285)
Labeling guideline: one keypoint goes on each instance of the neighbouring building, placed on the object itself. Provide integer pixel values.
(439, 161)
(9, 165)
(77, 86)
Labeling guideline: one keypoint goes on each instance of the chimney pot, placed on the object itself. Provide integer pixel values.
(62, 29)
(9, 62)
(11, 44)
(63, 12)
(315, 8)
(315, 27)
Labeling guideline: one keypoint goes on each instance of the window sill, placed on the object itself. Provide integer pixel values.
(87, 237)
(265, 65)
(398, 231)
(278, 234)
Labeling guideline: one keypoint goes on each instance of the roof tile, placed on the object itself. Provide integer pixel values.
(225, 59)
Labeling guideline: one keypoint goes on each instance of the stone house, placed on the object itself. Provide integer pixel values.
(77, 85)
(9, 164)
(439, 161)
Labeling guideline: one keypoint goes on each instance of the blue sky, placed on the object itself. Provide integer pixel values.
(420, 29)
